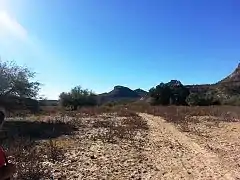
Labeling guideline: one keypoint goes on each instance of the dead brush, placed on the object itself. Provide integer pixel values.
(54, 153)
(114, 133)
(112, 130)
(102, 124)
(87, 112)
(135, 123)
(181, 115)
(125, 112)
(28, 159)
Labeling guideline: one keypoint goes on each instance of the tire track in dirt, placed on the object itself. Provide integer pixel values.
(176, 156)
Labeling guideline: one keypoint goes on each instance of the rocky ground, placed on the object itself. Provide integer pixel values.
(182, 156)
(106, 147)
(102, 148)
(143, 146)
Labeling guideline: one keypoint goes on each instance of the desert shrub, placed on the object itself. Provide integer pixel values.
(78, 98)
(28, 158)
(112, 130)
(198, 99)
(234, 101)
(54, 152)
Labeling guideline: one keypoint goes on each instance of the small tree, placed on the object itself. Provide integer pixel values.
(179, 93)
(172, 92)
(161, 94)
(78, 97)
(16, 85)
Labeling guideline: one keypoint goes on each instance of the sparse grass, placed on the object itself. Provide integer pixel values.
(27, 152)
(50, 128)
(116, 124)
(28, 158)
(181, 115)
(124, 126)
(54, 152)
(111, 125)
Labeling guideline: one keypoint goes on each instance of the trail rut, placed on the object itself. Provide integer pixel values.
(177, 156)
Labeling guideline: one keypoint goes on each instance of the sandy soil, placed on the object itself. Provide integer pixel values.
(208, 151)
(180, 156)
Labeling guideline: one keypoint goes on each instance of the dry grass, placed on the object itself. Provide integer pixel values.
(112, 125)
(182, 115)
(125, 125)
(54, 152)
(28, 158)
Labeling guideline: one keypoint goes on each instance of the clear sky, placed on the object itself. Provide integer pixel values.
(136, 43)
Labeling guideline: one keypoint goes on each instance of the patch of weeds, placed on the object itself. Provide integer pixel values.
(112, 130)
(28, 158)
(54, 152)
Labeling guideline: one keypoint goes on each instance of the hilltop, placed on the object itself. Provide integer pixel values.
(120, 93)
(233, 77)
(226, 85)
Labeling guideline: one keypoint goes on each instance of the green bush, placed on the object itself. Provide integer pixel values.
(171, 93)
(198, 99)
(77, 98)
(234, 101)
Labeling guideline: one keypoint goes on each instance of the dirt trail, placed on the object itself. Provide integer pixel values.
(209, 150)
(177, 156)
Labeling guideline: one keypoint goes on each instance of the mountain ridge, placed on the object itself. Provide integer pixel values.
(228, 85)
(225, 85)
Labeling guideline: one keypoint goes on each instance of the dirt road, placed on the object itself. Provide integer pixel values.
(178, 156)
(208, 151)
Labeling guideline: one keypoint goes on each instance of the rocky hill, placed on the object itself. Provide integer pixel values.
(233, 78)
(229, 85)
(120, 93)
(141, 92)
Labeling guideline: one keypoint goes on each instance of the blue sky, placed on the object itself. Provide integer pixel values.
(135, 43)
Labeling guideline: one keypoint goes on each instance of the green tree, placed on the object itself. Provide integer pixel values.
(172, 92)
(78, 97)
(16, 81)
(179, 93)
(161, 94)
(16, 85)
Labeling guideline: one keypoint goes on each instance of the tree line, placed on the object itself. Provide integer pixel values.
(175, 93)
(17, 87)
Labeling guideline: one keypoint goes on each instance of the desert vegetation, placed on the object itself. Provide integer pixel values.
(116, 141)
(174, 135)
(78, 98)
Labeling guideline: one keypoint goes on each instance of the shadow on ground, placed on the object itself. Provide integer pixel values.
(38, 130)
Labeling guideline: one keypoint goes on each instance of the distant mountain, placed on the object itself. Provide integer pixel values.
(234, 77)
(141, 92)
(119, 93)
(229, 86)
(226, 88)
